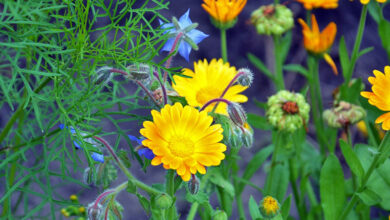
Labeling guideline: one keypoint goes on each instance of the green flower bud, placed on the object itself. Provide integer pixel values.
(269, 207)
(287, 111)
(223, 25)
(343, 114)
(193, 185)
(271, 19)
(247, 136)
(220, 215)
(246, 78)
(236, 113)
(140, 72)
(94, 212)
(163, 201)
(103, 75)
(234, 137)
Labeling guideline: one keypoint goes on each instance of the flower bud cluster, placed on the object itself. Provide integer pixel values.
(343, 114)
(75, 209)
(271, 19)
(287, 111)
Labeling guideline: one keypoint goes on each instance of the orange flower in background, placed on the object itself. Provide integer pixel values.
(380, 95)
(223, 10)
(317, 42)
(183, 139)
(365, 2)
(327, 4)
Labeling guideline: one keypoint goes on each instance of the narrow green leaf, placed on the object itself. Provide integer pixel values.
(144, 203)
(254, 208)
(285, 45)
(258, 122)
(332, 188)
(285, 210)
(384, 33)
(297, 68)
(260, 65)
(352, 159)
(364, 51)
(344, 57)
(226, 185)
(369, 197)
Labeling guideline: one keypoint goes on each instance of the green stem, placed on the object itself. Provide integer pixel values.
(374, 163)
(170, 188)
(279, 80)
(193, 210)
(358, 41)
(240, 207)
(224, 45)
(273, 164)
(295, 190)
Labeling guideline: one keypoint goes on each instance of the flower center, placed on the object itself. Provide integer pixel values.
(290, 107)
(206, 94)
(181, 146)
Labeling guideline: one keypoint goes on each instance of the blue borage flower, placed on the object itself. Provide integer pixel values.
(142, 151)
(191, 36)
(95, 156)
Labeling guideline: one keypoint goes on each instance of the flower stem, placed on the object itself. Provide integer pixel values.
(173, 49)
(162, 88)
(224, 45)
(227, 88)
(295, 190)
(279, 80)
(170, 188)
(270, 177)
(356, 47)
(214, 100)
(385, 142)
(193, 210)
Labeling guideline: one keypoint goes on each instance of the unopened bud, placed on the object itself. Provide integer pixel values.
(271, 19)
(269, 207)
(73, 198)
(103, 75)
(163, 201)
(246, 78)
(247, 136)
(140, 72)
(88, 176)
(343, 114)
(193, 185)
(94, 211)
(234, 139)
(220, 215)
(237, 114)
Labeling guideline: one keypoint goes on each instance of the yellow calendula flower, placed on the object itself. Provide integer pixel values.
(207, 82)
(311, 4)
(183, 139)
(269, 206)
(380, 96)
(223, 11)
(365, 2)
(317, 42)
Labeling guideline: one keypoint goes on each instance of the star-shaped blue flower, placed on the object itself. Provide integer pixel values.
(144, 151)
(191, 37)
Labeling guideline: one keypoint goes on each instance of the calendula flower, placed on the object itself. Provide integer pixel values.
(189, 39)
(327, 4)
(365, 2)
(223, 12)
(317, 42)
(380, 96)
(183, 139)
(207, 82)
(269, 206)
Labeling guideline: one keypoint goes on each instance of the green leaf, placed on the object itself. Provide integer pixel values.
(364, 51)
(352, 159)
(384, 33)
(254, 209)
(254, 164)
(279, 182)
(369, 197)
(260, 65)
(144, 203)
(332, 188)
(344, 57)
(131, 187)
(297, 68)
(285, 210)
(258, 121)
(219, 180)
(351, 92)
(285, 44)
(200, 197)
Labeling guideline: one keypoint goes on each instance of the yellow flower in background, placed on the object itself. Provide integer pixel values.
(223, 10)
(380, 95)
(365, 2)
(207, 82)
(311, 4)
(318, 42)
(183, 139)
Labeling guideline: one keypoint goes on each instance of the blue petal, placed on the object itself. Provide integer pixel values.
(197, 36)
(184, 50)
(166, 26)
(134, 138)
(168, 45)
(146, 152)
(62, 126)
(185, 19)
(97, 157)
(76, 145)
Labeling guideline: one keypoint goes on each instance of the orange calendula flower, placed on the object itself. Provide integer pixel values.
(380, 96)
(318, 42)
(207, 82)
(183, 139)
(223, 10)
(311, 4)
(365, 2)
